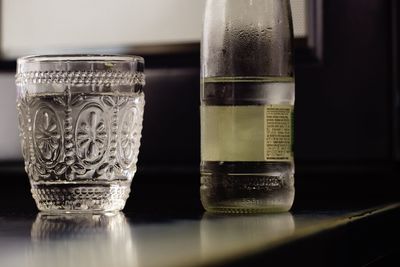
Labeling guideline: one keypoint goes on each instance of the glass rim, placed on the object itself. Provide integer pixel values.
(85, 58)
(81, 70)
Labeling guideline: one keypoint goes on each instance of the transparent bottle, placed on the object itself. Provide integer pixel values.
(247, 100)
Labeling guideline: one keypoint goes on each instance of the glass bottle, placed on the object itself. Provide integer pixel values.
(247, 100)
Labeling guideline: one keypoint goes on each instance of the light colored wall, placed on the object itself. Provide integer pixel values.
(9, 138)
(47, 26)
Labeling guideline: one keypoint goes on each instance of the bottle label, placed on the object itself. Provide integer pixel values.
(247, 133)
(278, 133)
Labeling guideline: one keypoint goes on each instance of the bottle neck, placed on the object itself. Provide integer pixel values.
(247, 38)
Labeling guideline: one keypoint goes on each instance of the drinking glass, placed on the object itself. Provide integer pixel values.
(80, 120)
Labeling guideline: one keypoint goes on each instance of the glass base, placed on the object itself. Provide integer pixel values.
(80, 197)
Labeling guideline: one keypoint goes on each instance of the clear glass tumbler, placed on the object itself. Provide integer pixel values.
(80, 120)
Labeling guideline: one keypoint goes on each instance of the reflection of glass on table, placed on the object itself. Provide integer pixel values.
(82, 240)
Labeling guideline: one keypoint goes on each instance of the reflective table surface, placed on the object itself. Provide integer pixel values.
(204, 240)
(348, 218)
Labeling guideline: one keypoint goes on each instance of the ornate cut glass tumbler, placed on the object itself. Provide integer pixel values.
(80, 120)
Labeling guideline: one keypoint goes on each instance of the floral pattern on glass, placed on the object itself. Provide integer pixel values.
(47, 135)
(91, 136)
(129, 137)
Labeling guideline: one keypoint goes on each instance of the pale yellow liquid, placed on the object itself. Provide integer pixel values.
(232, 133)
(247, 133)
(237, 174)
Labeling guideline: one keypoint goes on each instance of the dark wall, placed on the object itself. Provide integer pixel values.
(171, 130)
(344, 105)
(344, 101)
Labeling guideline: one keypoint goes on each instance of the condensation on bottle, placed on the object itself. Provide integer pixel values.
(247, 107)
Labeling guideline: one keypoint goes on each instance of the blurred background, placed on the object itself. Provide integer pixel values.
(347, 141)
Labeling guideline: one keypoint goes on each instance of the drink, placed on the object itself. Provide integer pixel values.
(247, 99)
(80, 120)
(247, 158)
